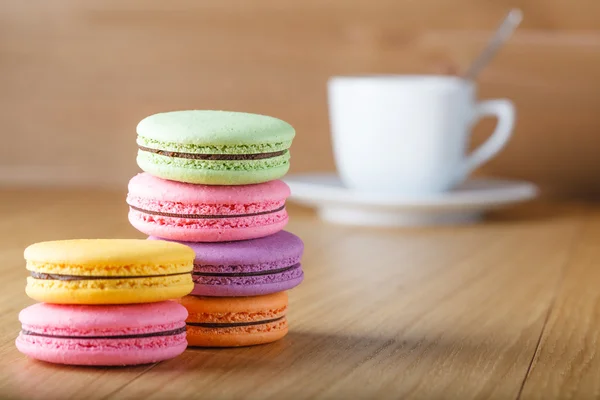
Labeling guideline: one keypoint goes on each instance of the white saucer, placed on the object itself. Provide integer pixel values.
(465, 204)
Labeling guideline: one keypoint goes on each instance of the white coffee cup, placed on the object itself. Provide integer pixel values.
(409, 134)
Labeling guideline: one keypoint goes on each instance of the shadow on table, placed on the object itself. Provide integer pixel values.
(536, 212)
(323, 363)
(325, 350)
(331, 363)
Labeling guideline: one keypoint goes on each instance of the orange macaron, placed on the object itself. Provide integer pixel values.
(235, 321)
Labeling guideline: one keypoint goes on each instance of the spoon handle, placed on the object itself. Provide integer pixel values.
(509, 24)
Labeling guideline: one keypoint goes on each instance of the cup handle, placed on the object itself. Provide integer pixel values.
(502, 109)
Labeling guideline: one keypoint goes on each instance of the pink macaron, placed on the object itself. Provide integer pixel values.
(103, 335)
(201, 213)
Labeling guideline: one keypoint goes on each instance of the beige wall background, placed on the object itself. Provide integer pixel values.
(77, 75)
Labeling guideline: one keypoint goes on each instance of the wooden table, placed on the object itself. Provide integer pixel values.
(507, 309)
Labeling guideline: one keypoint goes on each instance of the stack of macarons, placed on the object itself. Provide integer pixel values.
(105, 301)
(211, 183)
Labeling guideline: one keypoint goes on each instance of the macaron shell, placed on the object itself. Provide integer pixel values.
(229, 309)
(107, 252)
(117, 318)
(120, 271)
(214, 132)
(158, 207)
(102, 353)
(83, 335)
(232, 269)
(214, 127)
(223, 310)
(242, 172)
(223, 231)
(245, 290)
(244, 336)
(149, 187)
(279, 250)
(110, 291)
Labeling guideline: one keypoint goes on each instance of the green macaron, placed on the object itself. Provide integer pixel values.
(214, 147)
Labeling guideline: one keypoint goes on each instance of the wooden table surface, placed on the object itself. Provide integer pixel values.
(506, 309)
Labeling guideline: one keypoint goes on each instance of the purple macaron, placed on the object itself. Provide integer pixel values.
(247, 268)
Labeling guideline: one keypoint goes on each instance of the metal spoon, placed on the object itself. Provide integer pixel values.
(509, 24)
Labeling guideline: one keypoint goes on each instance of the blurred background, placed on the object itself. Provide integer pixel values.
(77, 75)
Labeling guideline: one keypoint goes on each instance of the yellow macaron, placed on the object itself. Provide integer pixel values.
(108, 271)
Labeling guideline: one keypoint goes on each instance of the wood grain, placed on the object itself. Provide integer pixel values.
(77, 76)
(566, 365)
(417, 313)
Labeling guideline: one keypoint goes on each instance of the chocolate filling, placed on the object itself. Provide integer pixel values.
(213, 157)
(240, 274)
(141, 335)
(203, 216)
(233, 324)
(59, 277)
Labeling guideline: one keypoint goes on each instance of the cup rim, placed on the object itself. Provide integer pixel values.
(417, 79)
